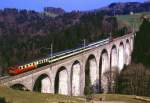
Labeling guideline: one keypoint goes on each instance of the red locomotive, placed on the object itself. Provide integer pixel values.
(14, 70)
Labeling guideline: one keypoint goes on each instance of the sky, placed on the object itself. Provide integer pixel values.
(67, 5)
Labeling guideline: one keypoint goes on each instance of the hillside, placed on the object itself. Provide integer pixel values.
(14, 96)
(24, 34)
(126, 8)
(53, 12)
(133, 20)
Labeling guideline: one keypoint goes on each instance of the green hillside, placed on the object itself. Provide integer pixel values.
(15, 96)
(133, 20)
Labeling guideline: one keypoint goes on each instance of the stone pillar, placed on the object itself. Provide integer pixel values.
(105, 72)
(63, 83)
(46, 85)
(127, 54)
(114, 59)
(121, 57)
(76, 79)
(82, 74)
(93, 74)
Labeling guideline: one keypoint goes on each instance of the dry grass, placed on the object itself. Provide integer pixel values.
(15, 96)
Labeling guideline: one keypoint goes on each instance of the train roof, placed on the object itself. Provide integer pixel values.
(58, 53)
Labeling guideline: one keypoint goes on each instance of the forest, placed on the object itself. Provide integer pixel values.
(135, 78)
(24, 34)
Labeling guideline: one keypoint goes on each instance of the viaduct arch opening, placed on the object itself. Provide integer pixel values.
(42, 84)
(128, 52)
(75, 78)
(104, 68)
(132, 43)
(91, 76)
(19, 87)
(61, 81)
(113, 58)
(114, 71)
(121, 59)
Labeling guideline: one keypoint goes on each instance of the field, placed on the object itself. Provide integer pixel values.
(15, 96)
(133, 20)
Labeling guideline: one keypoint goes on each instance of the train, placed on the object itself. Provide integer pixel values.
(18, 69)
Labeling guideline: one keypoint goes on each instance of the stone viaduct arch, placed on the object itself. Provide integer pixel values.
(114, 58)
(127, 52)
(76, 78)
(61, 81)
(91, 74)
(132, 43)
(43, 84)
(104, 68)
(18, 87)
(121, 56)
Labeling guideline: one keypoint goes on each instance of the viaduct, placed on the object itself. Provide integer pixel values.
(69, 76)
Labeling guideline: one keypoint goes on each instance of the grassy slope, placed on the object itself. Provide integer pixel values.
(119, 97)
(133, 19)
(15, 96)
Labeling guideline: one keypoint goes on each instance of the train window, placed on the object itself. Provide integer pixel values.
(33, 63)
(23, 66)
